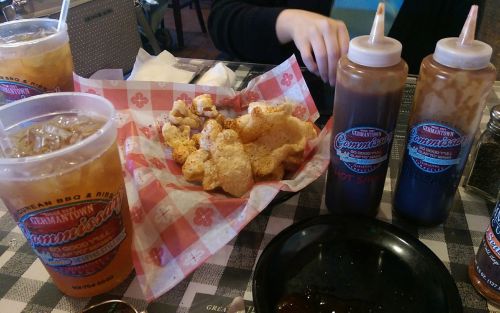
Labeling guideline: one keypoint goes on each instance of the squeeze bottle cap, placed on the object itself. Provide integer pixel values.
(375, 50)
(464, 52)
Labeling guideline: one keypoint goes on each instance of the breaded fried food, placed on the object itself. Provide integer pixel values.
(259, 120)
(204, 106)
(181, 115)
(178, 139)
(196, 138)
(174, 135)
(194, 167)
(209, 134)
(181, 153)
(234, 170)
(233, 154)
(210, 177)
(221, 119)
(282, 145)
(277, 174)
(293, 161)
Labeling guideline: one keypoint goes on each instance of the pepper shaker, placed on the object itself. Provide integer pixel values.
(484, 176)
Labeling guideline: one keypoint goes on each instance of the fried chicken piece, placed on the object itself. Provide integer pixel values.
(174, 135)
(204, 106)
(209, 134)
(210, 178)
(182, 116)
(266, 159)
(282, 145)
(277, 174)
(225, 121)
(279, 111)
(178, 139)
(233, 165)
(234, 153)
(181, 153)
(194, 167)
(220, 119)
(259, 120)
(293, 161)
(196, 138)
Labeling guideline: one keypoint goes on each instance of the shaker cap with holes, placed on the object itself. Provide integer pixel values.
(494, 123)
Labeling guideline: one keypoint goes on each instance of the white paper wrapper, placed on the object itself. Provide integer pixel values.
(219, 75)
(160, 68)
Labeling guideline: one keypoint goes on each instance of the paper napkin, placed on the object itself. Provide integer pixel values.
(158, 68)
(220, 75)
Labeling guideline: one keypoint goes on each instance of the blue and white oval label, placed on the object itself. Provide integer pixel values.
(13, 91)
(77, 239)
(363, 149)
(435, 147)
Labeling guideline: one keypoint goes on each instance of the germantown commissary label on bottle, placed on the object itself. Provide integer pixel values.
(13, 91)
(363, 149)
(77, 239)
(435, 147)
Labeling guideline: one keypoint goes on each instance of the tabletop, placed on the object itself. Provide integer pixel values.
(25, 285)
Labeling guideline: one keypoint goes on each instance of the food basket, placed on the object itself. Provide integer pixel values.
(177, 225)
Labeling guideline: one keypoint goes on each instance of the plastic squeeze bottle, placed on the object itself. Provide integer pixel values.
(368, 91)
(450, 96)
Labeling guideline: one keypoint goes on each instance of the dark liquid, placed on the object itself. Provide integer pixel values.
(346, 279)
(348, 192)
(314, 301)
(426, 198)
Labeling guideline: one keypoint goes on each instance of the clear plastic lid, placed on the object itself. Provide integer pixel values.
(25, 112)
(375, 50)
(464, 52)
(44, 31)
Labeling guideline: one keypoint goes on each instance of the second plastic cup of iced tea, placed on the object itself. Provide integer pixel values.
(61, 179)
(35, 58)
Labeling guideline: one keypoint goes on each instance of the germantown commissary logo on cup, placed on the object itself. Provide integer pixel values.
(13, 91)
(363, 149)
(77, 239)
(435, 147)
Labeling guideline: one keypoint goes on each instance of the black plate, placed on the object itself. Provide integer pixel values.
(352, 264)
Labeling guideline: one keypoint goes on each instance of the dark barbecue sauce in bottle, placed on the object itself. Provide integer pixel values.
(368, 92)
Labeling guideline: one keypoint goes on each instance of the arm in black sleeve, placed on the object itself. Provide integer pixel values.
(247, 30)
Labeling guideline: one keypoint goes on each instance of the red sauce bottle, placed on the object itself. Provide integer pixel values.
(368, 92)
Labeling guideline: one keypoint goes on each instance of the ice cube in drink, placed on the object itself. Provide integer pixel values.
(28, 36)
(54, 134)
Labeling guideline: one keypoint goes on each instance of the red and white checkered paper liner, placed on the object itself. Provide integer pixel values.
(177, 225)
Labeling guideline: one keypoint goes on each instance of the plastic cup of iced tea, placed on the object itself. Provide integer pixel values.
(35, 58)
(61, 180)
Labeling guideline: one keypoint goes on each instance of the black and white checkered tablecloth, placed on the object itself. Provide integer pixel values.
(25, 285)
